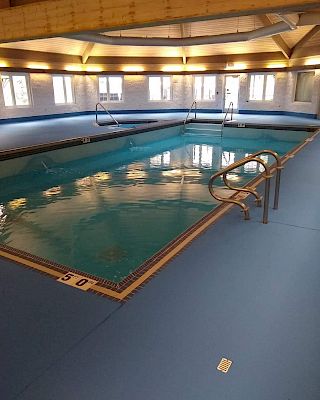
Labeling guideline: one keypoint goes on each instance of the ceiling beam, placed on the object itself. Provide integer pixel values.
(278, 40)
(306, 52)
(87, 52)
(305, 39)
(183, 49)
(310, 18)
(59, 17)
(20, 58)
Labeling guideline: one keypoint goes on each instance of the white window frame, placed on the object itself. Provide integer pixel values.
(108, 88)
(10, 75)
(295, 88)
(202, 87)
(265, 74)
(65, 103)
(161, 87)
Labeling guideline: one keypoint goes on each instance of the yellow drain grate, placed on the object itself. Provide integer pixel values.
(224, 365)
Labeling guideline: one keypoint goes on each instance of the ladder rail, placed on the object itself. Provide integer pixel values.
(107, 111)
(229, 110)
(267, 175)
(194, 103)
(279, 168)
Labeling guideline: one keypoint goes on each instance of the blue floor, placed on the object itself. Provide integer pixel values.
(243, 290)
(21, 134)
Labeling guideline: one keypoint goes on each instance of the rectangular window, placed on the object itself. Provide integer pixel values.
(15, 90)
(110, 88)
(63, 89)
(304, 87)
(262, 87)
(204, 87)
(159, 88)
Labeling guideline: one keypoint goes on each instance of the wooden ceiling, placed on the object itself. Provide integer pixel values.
(202, 28)
(188, 18)
(24, 19)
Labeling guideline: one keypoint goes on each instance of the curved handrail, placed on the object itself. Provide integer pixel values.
(194, 103)
(226, 114)
(244, 207)
(246, 189)
(108, 112)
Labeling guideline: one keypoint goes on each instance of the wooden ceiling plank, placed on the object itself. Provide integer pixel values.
(278, 40)
(59, 17)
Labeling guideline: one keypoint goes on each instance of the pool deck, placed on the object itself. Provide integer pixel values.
(242, 290)
(21, 134)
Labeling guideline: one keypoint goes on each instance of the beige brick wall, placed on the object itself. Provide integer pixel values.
(135, 92)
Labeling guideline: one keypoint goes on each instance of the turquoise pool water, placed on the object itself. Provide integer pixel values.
(107, 214)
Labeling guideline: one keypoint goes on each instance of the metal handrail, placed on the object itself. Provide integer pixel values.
(244, 207)
(108, 112)
(279, 167)
(226, 114)
(194, 103)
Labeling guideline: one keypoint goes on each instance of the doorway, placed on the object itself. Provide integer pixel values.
(231, 91)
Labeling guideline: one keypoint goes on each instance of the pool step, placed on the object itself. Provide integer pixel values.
(205, 129)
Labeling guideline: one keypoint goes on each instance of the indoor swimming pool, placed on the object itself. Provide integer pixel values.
(105, 209)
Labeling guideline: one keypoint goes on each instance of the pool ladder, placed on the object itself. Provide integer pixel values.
(107, 112)
(247, 189)
(194, 104)
(229, 110)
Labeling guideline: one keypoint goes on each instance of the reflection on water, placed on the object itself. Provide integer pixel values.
(202, 155)
(107, 214)
(227, 158)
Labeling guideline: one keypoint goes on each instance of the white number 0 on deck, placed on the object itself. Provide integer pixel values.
(77, 281)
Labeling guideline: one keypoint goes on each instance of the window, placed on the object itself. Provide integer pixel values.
(262, 87)
(15, 90)
(204, 87)
(159, 88)
(110, 88)
(304, 86)
(63, 89)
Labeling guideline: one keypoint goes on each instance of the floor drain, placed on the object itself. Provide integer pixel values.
(224, 365)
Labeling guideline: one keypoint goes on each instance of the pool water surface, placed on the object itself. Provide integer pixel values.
(107, 214)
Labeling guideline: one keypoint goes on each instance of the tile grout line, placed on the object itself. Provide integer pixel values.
(292, 225)
(296, 226)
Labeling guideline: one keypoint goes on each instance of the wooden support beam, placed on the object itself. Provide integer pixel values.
(310, 18)
(183, 33)
(306, 52)
(278, 40)
(87, 52)
(305, 39)
(60, 17)
(24, 56)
